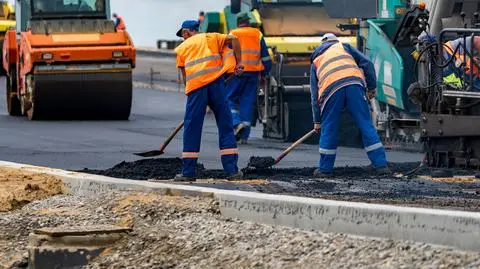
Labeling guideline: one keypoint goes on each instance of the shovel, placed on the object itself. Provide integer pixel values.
(159, 152)
(267, 162)
(154, 153)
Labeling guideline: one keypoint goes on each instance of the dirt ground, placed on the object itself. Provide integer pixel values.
(19, 187)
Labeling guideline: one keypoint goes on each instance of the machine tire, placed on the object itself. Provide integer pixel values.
(13, 103)
(295, 128)
(441, 173)
(33, 114)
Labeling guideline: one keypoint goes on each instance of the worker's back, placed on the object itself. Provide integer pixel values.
(249, 38)
(334, 65)
(202, 59)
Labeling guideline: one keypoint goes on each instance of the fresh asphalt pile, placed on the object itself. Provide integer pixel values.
(349, 184)
(188, 232)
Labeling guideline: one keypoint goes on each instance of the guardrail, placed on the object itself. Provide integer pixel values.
(168, 44)
(153, 52)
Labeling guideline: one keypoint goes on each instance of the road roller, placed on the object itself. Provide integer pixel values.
(65, 60)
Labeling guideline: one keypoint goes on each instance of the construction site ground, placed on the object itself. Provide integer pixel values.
(183, 233)
(99, 146)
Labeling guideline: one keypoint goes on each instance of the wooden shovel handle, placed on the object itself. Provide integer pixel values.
(172, 135)
(294, 145)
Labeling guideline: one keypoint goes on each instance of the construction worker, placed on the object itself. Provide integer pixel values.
(201, 17)
(339, 77)
(242, 91)
(119, 22)
(461, 63)
(199, 58)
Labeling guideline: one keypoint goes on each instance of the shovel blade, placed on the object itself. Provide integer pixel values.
(151, 153)
(261, 162)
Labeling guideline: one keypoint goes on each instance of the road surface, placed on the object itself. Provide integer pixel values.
(99, 145)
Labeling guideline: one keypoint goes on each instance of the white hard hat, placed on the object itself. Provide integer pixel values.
(329, 37)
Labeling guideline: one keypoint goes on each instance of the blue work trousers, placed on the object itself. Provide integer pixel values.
(241, 95)
(353, 98)
(197, 101)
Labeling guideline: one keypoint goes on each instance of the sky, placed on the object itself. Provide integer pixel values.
(149, 20)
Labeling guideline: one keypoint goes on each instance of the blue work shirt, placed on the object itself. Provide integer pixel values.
(265, 57)
(362, 61)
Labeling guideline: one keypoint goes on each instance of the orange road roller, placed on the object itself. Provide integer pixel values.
(66, 60)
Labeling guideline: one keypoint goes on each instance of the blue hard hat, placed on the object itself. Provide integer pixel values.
(189, 24)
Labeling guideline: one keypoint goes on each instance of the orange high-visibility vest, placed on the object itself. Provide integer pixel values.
(121, 23)
(460, 58)
(249, 38)
(229, 61)
(333, 65)
(203, 61)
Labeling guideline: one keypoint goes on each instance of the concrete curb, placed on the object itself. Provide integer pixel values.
(450, 228)
(151, 52)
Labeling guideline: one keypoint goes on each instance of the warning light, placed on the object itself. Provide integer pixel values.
(422, 5)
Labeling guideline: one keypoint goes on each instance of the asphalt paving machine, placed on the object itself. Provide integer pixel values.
(65, 60)
(417, 103)
(292, 29)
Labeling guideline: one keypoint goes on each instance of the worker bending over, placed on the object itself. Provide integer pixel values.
(339, 77)
(242, 90)
(461, 62)
(199, 58)
(119, 22)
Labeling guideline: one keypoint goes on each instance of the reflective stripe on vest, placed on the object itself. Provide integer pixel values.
(333, 65)
(250, 43)
(203, 61)
(460, 59)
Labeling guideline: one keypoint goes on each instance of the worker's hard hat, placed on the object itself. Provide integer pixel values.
(329, 37)
(243, 18)
(189, 24)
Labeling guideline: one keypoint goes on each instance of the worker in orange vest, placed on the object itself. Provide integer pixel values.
(342, 77)
(242, 91)
(200, 60)
(119, 22)
(462, 62)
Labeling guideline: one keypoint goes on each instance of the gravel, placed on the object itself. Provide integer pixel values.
(182, 232)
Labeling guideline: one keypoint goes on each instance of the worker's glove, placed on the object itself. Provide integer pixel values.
(371, 94)
(316, 127)
(239, 70)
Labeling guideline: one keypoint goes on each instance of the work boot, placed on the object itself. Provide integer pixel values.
(319, 174)
(242, 142)
(383, 171)
(236, 176)
(182, 178)
(239, 130)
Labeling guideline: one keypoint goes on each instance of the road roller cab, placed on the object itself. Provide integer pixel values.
(66, 60)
